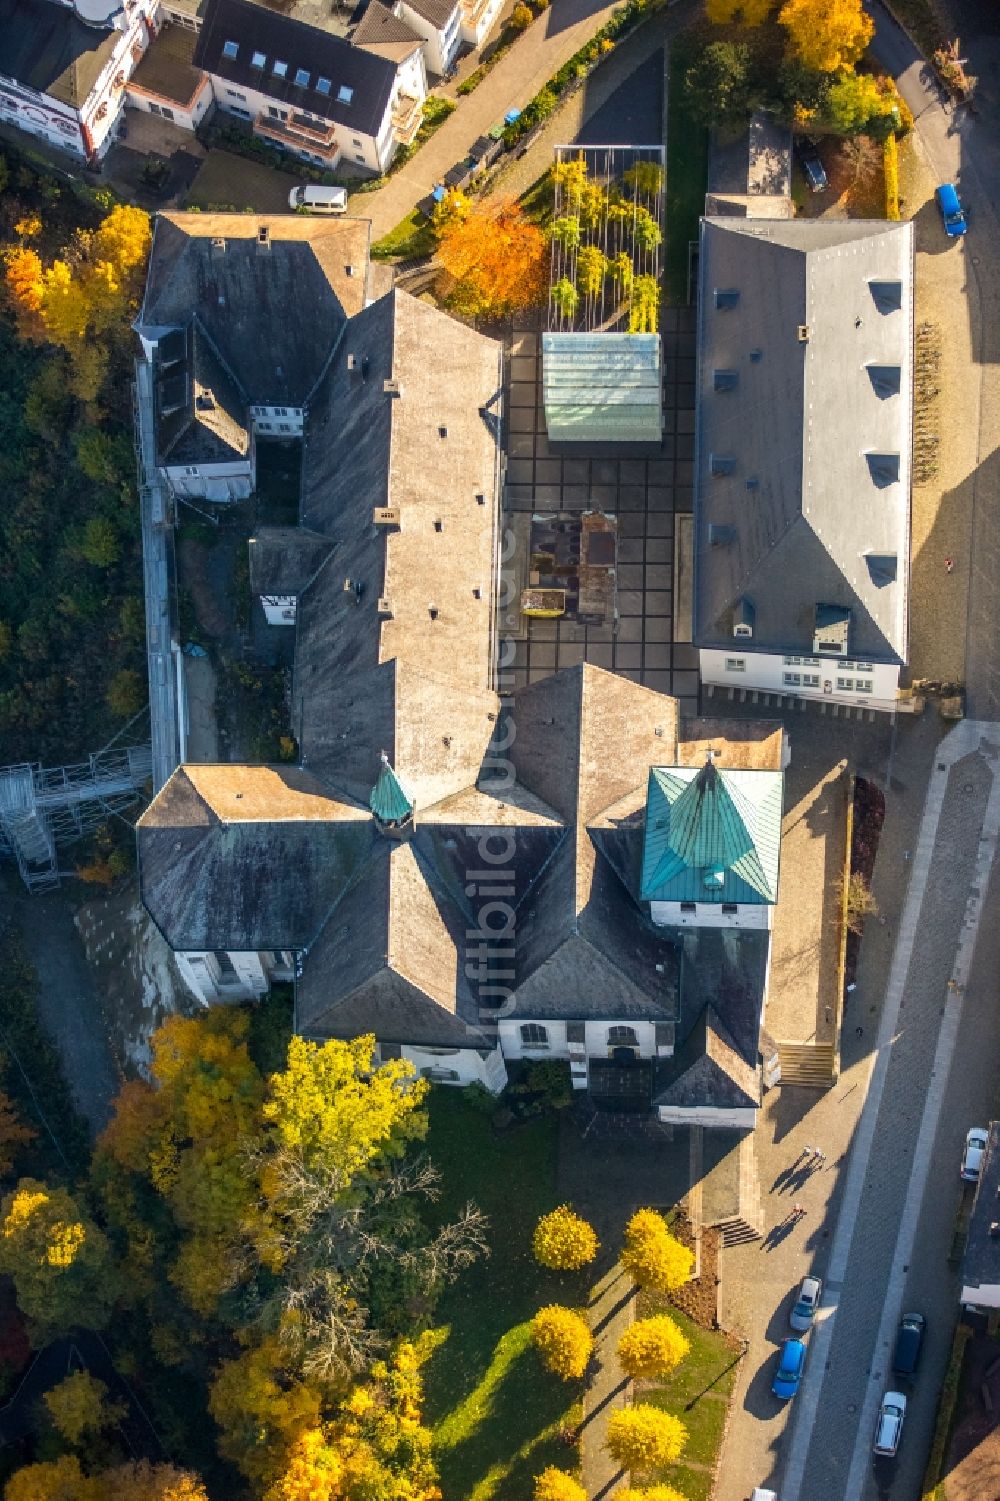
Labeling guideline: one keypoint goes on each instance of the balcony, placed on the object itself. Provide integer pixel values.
(407, 118)
(298, 133)
(473, 12)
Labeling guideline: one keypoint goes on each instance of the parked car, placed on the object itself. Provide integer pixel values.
(889, 1427)
(909, 1343)
(972, 1157)
(950, 205)
(812, 168)
(806, 1304)
(789, 1372)
(318, 200)
(761, 1493)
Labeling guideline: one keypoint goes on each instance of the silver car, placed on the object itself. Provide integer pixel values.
(806, 1304)
(889, 1427)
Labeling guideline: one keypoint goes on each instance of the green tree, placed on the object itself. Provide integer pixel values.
(720, 84)
(566, 231)
(126, 693)
(48, 405)
(104, 458)
(79, 1405)
(565, 297)
(99, 544)
(59, 1261)
(591, 264)
(852, 102)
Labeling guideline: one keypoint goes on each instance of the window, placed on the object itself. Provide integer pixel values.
(232, 94)
(792, 661)
(736, 664)
(258, 60)
(534, 1036)
(274, 113)
(265, 427)
(279, 69)
(862, 685)
(323, 85)
(622, 1037)
(344, 94)
(191, 471)
(792, 679)
(845, 685)
(689, 906)
(284, 427)
(730, 908)
(810, 680)
(355, 141)
(281, 411)
(358, 157)
(863, 666)
(231, 49)
(237, 109)
(302, 77)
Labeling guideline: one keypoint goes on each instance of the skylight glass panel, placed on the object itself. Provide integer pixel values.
(280, 69)
(302, 77)
(230, 49)
(323, 85)
(344, 94)
(258, 60)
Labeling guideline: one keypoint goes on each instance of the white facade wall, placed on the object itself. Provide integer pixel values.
(86, 132)
(277, 422)
(280, 609)
(220, 482)
(250, 976)
(168, 109)
(986, 1295)
(458, 1066)
(828, 678)
(353, 145)
(595, 1044)
(475, 31)
(711, 914)
(707, 1115)
(440, 46)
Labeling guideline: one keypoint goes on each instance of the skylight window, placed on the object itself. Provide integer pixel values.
(279, 69)
(302, 77)
(230, 49)
(258, 60)
(323, 85)
(344, 94)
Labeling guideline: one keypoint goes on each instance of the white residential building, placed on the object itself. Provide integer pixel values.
(802, 457)
(64, 68)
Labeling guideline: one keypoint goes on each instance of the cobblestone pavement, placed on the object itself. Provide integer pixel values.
(611, 1312)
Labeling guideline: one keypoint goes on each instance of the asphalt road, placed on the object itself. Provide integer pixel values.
(935, 1068)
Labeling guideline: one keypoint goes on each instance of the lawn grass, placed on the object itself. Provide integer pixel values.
(687, 176)
(698, 1393)
(413, 236)
(496, 1414)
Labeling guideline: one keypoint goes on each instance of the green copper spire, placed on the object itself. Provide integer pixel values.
(388, 801)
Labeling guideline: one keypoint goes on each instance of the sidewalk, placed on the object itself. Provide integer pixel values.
(611, 1313)
(553, 38)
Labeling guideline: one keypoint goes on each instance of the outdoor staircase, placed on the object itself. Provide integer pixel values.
(813, 1065)
(748, 1225)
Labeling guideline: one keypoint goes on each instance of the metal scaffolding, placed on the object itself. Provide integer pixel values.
(43, 809)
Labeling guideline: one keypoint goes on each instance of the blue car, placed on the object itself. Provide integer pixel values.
(950, 205)
(789, 1372)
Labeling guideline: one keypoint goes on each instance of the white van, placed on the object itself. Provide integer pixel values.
(318, 200)
(760, 1493)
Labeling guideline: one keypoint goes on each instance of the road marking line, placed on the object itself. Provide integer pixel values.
(963, 739)
(947, 1037)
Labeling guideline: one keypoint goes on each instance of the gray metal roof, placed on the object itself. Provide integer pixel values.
(787, 456)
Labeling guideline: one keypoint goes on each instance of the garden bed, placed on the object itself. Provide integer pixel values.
(869, 816)
(687, 175)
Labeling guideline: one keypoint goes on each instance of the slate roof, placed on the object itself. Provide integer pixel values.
(437, 12)
(794, 509)
(712, 835)
(707, 1070)
(167, 69)
(380, 27)
(212, 266)
(321, 54)
(49, 49)
(284, 558)
(211, 426)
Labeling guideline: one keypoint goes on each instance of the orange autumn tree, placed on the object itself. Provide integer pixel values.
(65, 1480)
(826, 35)
(498, 259)
(86, 293)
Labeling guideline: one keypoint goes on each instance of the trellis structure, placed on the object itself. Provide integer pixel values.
(607, 230)
(45, 808)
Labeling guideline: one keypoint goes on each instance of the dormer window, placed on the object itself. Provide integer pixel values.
(713, 877)
(258, 60)
(323, 85)
(279, 69)
(883, 468)
(231, 50)
(831, 630)
(743, 618)
(302, 78)
(344, 94)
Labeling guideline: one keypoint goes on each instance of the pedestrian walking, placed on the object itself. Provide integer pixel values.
(798, 1210)
(949, 565)
(820, 1155)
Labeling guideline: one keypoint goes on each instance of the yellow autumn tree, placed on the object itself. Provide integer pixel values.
(644, 1437)
(652, 1347)
(650, 1493)
(826, 35)
(143, 1481)
(383, 1445)
(312, 1471)
(58, 1259)
(656, 1259)
(564, 1241)
(263, 1410)
(556, 1485)
(58, 1480)
(750, 12)
(563, 1340)
(79, 1405)
(497, 257)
